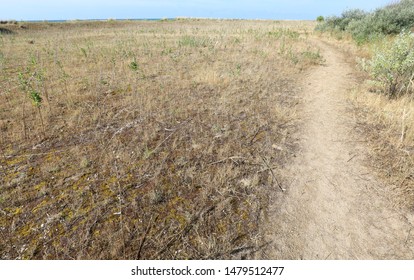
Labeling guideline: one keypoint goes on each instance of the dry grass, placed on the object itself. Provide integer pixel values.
(389, 130)
(153, 140)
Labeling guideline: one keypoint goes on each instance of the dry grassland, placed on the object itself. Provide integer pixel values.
(145, 140)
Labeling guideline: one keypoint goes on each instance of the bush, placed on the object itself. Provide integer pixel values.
(391, 19)
(395, 18)
(320, 19)
(342, 22)
(350, 16)
(363, 26)
(5, 31)
(393, 65)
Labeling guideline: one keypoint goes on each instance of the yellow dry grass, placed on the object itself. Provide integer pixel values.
(389, 130)
(152, 140)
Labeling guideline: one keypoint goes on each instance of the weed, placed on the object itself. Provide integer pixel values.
(27, 87)
(84, 52)
(35, 96)
(134, 65)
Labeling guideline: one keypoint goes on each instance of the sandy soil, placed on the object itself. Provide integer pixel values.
(334, 208)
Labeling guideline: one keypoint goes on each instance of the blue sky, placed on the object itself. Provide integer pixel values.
(104, 9)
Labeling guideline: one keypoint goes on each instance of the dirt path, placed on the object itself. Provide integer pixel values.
(333, 207)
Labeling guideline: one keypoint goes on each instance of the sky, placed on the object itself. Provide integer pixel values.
(130, 9)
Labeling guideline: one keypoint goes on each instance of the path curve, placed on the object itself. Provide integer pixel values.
(334, 208)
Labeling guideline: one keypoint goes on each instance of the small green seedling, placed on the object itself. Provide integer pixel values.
(36, 98)
(134, 65)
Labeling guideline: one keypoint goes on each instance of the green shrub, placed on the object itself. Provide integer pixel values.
(391, 19)
(363, 26)
(342, 22)
(320, 19)
(396, 17)
(350, 16)
(392, 65)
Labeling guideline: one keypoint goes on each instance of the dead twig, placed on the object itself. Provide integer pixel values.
(175, 237)
(151, 222)
(403, 126)
(255, 135)
(351, 158)
(38, 154)
(183, 232)
(267, 169)
(273, 174)
(229, 158)
(168, 137)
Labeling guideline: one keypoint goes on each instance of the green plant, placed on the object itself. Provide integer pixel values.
(313, 56)
(36, 98)
(134, 65)
(340, 23)
(84, 52)
(195, 42)
(363, 26)
(238, 69)
(26, 84)
(320, 19)
(392, 65)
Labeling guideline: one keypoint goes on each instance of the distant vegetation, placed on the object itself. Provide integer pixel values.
(320, 19)
(366, 26)
(5, 31)
(8, 21)
(392, 59)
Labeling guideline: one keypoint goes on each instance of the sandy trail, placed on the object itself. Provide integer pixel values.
(334, 208)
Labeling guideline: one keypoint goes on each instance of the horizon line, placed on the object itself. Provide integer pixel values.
(148, 19)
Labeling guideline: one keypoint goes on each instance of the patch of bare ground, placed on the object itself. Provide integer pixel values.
(334, 206)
